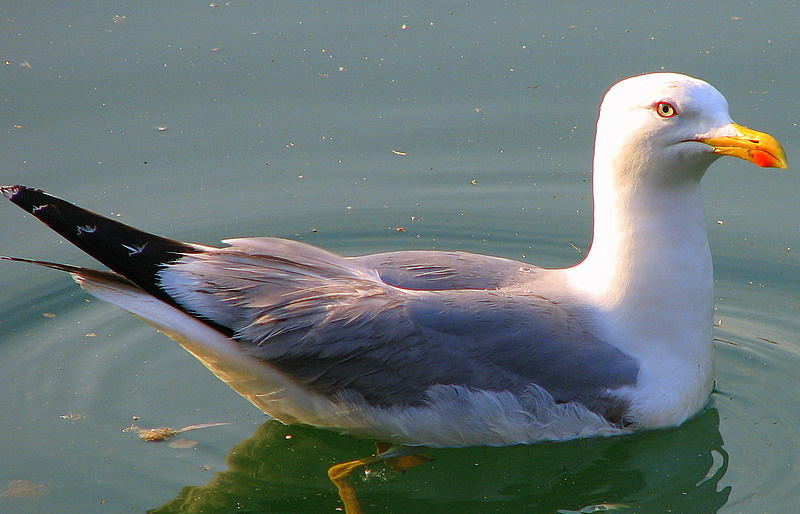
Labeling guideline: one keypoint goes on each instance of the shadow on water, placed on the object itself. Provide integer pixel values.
(283, 469)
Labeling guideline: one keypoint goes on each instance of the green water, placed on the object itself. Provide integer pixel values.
(280, 118)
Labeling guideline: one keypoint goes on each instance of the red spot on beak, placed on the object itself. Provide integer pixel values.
(763, 159)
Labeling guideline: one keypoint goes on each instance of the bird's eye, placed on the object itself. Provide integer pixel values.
(666, 109)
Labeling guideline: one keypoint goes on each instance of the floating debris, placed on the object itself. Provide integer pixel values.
(474, 182)
(399, 152)
(23, 489)
(156, 434)
(48, 315)
(163, 433)
(73, 416)
(726, 341)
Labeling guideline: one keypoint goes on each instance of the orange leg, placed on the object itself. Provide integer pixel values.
(340, 476)
(398, 457)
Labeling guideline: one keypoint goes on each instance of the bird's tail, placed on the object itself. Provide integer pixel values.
(136, 257)
(130, 252)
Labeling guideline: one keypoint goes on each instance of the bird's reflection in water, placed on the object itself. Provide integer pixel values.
(284, 469)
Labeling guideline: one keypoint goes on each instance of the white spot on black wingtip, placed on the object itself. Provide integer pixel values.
(86, 229)
(10, 191)
(134, 249)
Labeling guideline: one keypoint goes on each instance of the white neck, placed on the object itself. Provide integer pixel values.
(648, 275)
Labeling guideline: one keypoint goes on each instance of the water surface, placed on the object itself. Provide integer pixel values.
(244, 119)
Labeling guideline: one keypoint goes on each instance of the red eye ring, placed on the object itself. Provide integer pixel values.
(666, 109)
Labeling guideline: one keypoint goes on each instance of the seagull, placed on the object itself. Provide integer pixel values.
(449, 348)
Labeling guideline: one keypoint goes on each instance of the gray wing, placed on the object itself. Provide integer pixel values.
(336, 327)
(436, 270)
(391, 348)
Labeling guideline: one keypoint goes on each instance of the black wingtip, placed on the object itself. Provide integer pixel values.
(29, 198)
(107, 276)
(130, 252)
(11, 191)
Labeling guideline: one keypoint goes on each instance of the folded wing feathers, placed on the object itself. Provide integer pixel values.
(306, 308)
(261, 296)
(429, 271)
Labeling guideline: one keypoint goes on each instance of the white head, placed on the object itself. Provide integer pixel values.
(647, 279)
(656, 136)
(668, 128)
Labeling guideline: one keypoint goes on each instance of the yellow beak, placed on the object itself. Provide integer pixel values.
(757, 147)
